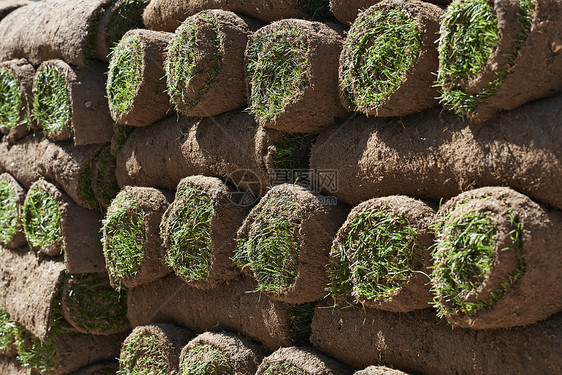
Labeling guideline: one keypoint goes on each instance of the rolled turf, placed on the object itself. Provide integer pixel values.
(284, 243)
(301, 361)
(389, 59)
(222, 353)
(498, 55)
(16, 82)
(205, 63)
(198, 231)
(291, 68)
(380, 255)
(379, 370)
(436, 155)
(135, 89)
(12, 196)
(131, 243)
(70, 103)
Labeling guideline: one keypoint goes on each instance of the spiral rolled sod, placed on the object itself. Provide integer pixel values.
(380, 255)
(135, 88)
(153, 349)
(16, 82)
(220, 353)
(389, 58)
(199, 228)
(380, 370)
(498, 55)
(131, 242)
(420, 343)
(12, 196)
(92, 306)
(284, 243)
(301, 361)
(70, 103)
(291, 68)
(435, 155)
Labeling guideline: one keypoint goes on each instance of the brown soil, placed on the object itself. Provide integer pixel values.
(9, 366)
(90, 121)
(153, 203)
(317, 104)
(45, 30)
(417, 91)
(218, 85)
(151, 102)
(167, 15)
(380, 370)
(232, 308)
(18, 240)
(436, 155)
(243, 356)
(91, 369)
(230, 146)
(414, 293)
(30, 287)
(315, 233)
(228, 215)
(418, 342)
(171, 340)
(307, 360)
(24, 72)
(33, 158)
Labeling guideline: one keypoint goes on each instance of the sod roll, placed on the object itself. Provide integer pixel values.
(224, 353)
(131, 243)
(135, 89)
(301, 361)
(205, 64)
(16, 82)
(12, 196)
(284, 243)
(380, 255)
(379, 370)
(436, 155)
(70, 103)
(420, 343)
(199, 228)
(153, 349)
(498, 55)
(292, 72)
(389, 58)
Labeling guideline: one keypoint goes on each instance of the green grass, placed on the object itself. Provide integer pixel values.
(51, 100)
(9, 215)
(95, 305)
(86, 190)
(383, 248)
(182, 60)
(41, 218)
(463, 255)
(123, 237)
(319, 10)
(301, 320)
(124, 75)
(283, 368)
(277, 67)
(379, 50)
(187, 230)
(106, 180)
(7, 331)
(205, 360)
(12, 102)
(127, 17)
(293, 151)
(469, 34)
(270, 249)
(143, 354)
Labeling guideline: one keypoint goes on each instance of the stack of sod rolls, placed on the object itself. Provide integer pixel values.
(16, 82)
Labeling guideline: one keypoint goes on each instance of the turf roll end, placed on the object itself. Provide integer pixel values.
(301, 361)
(12, 196)
(16, 83)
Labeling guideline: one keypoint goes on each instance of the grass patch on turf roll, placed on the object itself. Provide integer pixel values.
(124, 75)
(51, 100)
(9, 212)
(41, 218)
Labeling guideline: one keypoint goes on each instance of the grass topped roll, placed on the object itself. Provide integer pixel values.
(204, 64)
(69, 103)
(380, 370)
(135, 88)
(285, 241)
(16, 82)
(381, 253)
(496, 55)
(389, 58)
(291, 68)
(199, 228)
(301, 361)
(131, 242)
(153, 349)
(494, 246)
(12, 196)
(220, 353)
